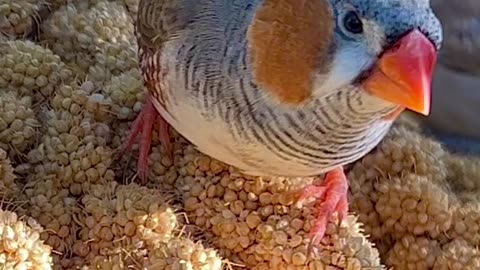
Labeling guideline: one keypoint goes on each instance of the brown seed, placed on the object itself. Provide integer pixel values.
(253, 220)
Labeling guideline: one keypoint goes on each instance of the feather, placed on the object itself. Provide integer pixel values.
(289, 40)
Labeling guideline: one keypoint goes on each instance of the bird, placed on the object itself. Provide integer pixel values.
(457, 78)
(290, 88)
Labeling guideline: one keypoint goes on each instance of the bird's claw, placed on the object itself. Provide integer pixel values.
(331, 197)
(143, 126)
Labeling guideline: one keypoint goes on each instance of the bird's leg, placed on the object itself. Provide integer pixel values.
(143, 125)
(331, 197)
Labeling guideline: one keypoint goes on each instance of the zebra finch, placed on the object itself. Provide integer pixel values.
(290, 88)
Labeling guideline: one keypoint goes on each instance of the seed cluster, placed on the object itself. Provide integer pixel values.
(20, 244)
(18, 124)
(414, 253)
(126, 94)
(18, 17)
(30, 69)
(418, 202)
(390, 179)
(10, 192)
(54, 209)
(96, 41)
(458, 255)
(67, 103)
(412, 204)
(255, 222)
(130, 5)
(183, 253)
(74, 151)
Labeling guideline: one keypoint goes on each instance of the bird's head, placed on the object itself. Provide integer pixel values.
(306, 48)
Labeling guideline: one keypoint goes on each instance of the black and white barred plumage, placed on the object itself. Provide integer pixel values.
(203, 86)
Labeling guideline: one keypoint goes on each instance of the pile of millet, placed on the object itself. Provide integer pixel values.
(70, 88)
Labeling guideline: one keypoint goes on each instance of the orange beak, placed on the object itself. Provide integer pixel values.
(403, 74)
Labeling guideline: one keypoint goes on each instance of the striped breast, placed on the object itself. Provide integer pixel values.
(152, 73)
(203, 86)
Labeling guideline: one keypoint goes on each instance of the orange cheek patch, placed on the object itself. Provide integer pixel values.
(288, 40)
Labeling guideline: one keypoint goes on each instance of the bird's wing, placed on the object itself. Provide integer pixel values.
(461, 23)
(158, 21)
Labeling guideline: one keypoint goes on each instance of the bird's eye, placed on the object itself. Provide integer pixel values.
(352, 23)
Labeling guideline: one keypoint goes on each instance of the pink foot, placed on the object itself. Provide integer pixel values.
(143, 125)
(331, 196)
